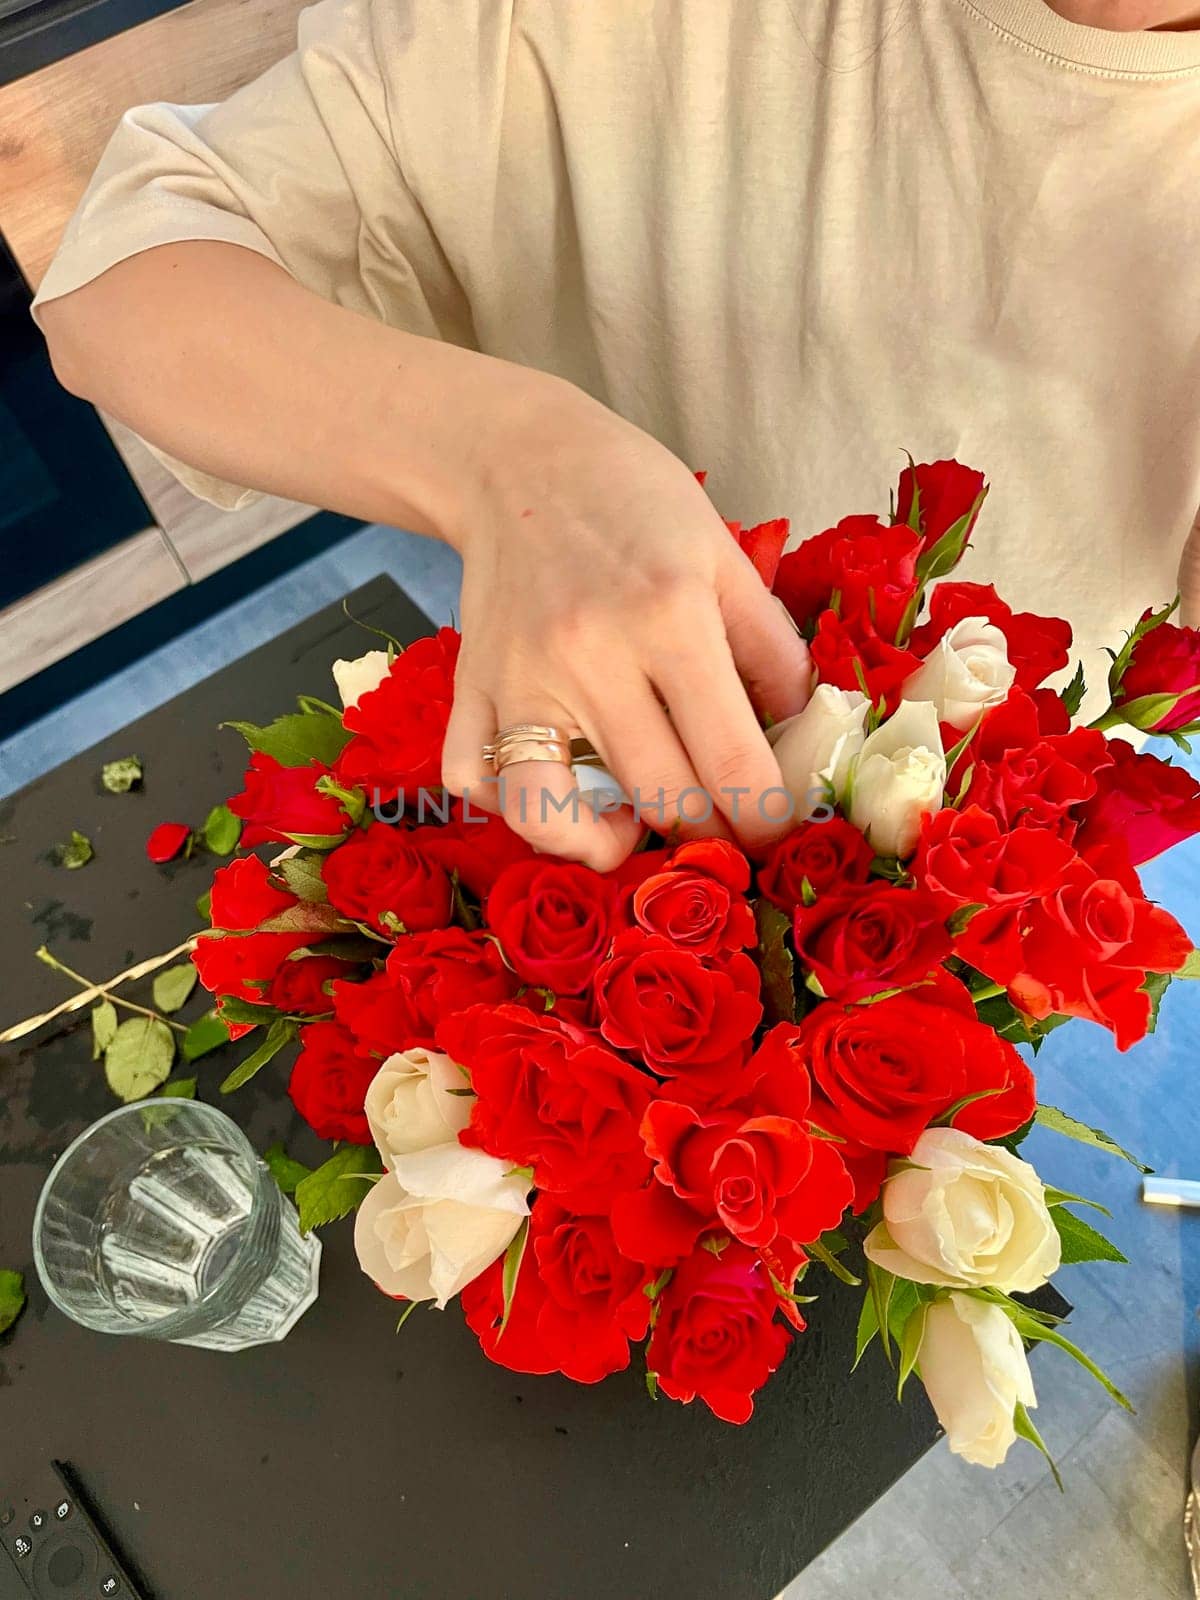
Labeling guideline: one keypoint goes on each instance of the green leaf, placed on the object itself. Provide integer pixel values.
(178, 1089)
(118, 777)
(513, 1258)
(337, 1188)
(1059, 1122)
(1072, 695)
(882, 1284)
(296, 740)
(76, 853)
(104, 1027)
(288, 1174)
(12, 1298)
(204, 906)
(1156, 985)
(1190, 968)
(139, 1058)
(1023, 1425)
(280, 1033)
(1080, 1241)
(221, 831)
(302, 874)
(234, 1009)
(909, 1341)
(1036, 1332)
(868, 1327)
(207, 1033)
(1060, 1197)
(172, 987)
(945, 554)
(776, 963)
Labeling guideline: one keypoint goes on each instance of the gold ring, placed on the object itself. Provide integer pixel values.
(528, 741)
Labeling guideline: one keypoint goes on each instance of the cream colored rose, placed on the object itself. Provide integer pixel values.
(816, 747)
(432, 1224)
(974, 1369)
(412, 1103)
(965, 1215)
(899, 777)
(967, 672)
(358, 677)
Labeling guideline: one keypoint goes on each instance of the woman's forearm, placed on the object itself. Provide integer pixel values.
(219, 357)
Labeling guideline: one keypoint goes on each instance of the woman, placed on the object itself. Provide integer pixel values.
(506, 271)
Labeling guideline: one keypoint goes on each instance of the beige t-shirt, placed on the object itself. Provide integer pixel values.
(788, 237)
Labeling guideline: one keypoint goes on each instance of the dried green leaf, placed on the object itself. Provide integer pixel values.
(118, 777)
(76, 853)
(178, 1089)
(104, 1027)
(12, 1298)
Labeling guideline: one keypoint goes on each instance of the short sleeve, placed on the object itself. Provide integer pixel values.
(299, 166)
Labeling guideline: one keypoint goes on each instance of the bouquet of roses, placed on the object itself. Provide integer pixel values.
(640, 1108)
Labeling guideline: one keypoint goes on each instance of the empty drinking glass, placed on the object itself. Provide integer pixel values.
(160, 1220)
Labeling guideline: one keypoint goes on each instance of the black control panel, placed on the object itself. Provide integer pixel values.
(52, 1547)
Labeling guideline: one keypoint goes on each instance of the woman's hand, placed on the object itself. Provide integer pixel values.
(602, 593)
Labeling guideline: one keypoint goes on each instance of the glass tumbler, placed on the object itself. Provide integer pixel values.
(161, 1221)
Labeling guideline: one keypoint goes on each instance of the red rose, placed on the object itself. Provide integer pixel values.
(715, 1336)
(851, 654)
(1165, 661)
(966, 858)
(1023, 777)
(549, 1098)
(380, 876)
(870, 565)
(400, 727)
(593, 1302)
(554, 921)
(946, 492)
(683, 1019)
(1085, 951)
(329, 1082)
(166, 841)
(761, 1179)
(301, 988)
(474, 844)
(763, 544)
(428, 976)
(516, 1344)
(868, 937)
(244, 964)
(284, 804)
(883, 1073)
(1037, 646)
(244, 895)
(1146, 802)
(699, 901)
(828, 855)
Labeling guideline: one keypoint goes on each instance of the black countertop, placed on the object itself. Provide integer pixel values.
(33, 33)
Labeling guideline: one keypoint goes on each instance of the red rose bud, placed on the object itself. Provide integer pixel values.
(1147, 803)
(554, 921)
(933, 496)
(763, 544)
(874, 936)
(284, 805)
(868, 566)
(167, 840)
(330, 1080)
(382, 877)
(825, 855)
(1159, 689)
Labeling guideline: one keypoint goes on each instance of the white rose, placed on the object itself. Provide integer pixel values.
(965, 1215)
(899, 778)
(816, 747)
(968, 672)
(432, 1224)
(412, 1103)
(358, 677)
(974, 1369)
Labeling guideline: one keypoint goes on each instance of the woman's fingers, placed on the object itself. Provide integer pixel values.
(639, 746)
(472, 725)
(713, 717)
(770, 655)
